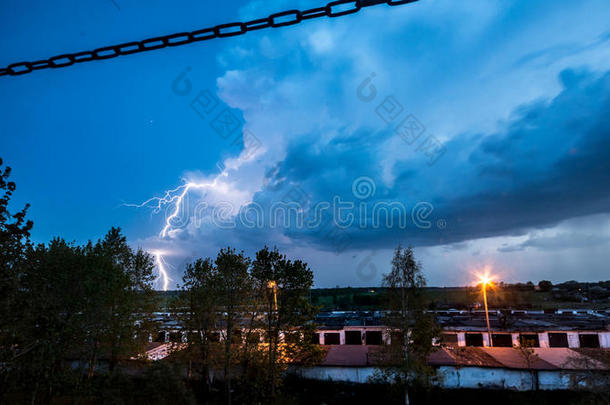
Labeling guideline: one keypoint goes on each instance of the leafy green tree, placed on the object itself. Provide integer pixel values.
(234, 295)
(14, 235)
(286, 285)
(121, 299)
(75, 303)
(198, 312)
(545, 285)
(50, 326)
(163, 384)
(234, 284)
(412, 327)
(253, 378)
(14, 238)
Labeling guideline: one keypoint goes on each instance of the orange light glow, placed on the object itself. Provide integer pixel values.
(485, 279)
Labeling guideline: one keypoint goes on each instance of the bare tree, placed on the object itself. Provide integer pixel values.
(412, 328)
(529, 357)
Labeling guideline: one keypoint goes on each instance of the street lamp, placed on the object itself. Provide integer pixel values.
(273, 285)
(486, 280)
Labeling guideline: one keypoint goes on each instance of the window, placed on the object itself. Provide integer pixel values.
(474, 339)
(558, 339)
(353, 337)
(502, 340)
(589, 340)
(449, 339)
(529, 340)
(373, 337)
(331, 339)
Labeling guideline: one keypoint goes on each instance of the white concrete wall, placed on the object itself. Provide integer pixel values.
(346, 374)
(543, 339)
(158, 353)
(484, 377)
(485, 339)
(452, 377)
(553, 380)
(461, 337)
(604, 340)
(573, 340)
(386, 336)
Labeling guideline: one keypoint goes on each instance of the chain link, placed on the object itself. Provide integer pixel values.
(336, 8)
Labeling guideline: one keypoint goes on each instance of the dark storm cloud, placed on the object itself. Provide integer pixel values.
(550, 162)
(562, 241)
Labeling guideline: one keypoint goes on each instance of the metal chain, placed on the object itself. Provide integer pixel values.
(290, 17)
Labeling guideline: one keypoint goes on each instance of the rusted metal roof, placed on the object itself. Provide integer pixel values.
(518, 358)
(351, 355)
(470, 356)
(574, 359)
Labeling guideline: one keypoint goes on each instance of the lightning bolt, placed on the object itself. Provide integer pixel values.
(161, 269)
(180, 197)
(176, 197)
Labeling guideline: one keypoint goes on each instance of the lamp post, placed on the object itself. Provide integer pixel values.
(485, 280)
(273, 285)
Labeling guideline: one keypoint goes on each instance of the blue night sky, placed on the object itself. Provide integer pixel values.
(516, 92)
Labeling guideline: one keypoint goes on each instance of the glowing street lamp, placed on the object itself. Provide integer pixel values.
(273, 285)
(486, 280)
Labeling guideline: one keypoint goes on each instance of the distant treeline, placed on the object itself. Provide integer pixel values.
(543, 295)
